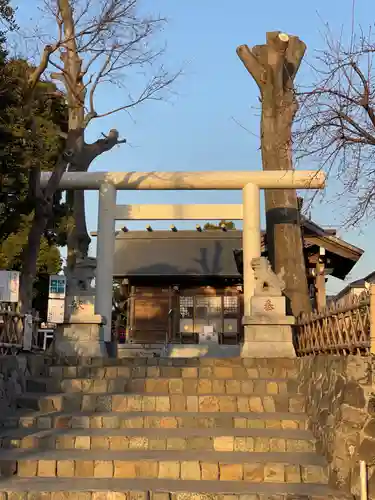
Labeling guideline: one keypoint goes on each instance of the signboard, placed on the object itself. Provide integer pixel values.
(57, 286)
(56, 308)
(56, 299)
(209, 336)
(9, 286)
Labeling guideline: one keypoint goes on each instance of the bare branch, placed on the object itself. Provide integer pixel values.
(150, 92)
(251, 63)
(108, 142)
(36, 75)
(336, 123)
(95, 84)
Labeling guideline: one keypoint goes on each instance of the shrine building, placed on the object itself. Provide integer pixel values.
(175, 283)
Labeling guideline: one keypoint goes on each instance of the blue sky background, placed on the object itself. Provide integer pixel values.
(197, 128)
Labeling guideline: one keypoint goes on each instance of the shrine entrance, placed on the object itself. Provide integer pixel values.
(109, 182)
(208, 312)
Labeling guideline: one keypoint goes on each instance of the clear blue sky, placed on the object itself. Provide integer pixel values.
(197, 129)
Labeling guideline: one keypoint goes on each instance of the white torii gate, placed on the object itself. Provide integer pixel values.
(108, 183)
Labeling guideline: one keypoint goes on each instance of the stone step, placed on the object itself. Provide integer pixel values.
(275, 467)
(161, 489)
(160, 385)
(154, 420)
(240, 440)
(162, 403)
(168, 361)
(173, 368)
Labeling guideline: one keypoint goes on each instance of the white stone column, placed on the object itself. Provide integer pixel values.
(104, 256)
(251, 240)
(263, 336)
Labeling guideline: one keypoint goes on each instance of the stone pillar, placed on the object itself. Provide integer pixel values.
(372, 318)
(80, 295)
(105, 253)
(250, 240)
(320, 281)
(267, 328)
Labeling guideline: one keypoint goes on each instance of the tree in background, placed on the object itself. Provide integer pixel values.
(336, 124)
(7, 18)
(95, 43)
(227, 224)
(7, 22)
(274, 67)
(21, 152)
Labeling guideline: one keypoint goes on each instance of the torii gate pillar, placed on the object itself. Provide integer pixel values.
(104, 254)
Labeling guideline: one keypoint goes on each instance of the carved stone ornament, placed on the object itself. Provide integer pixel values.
(267, 283)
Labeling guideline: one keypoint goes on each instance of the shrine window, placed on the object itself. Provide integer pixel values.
(186, 307)
(230, 306)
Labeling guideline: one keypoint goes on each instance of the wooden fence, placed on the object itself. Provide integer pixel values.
(18, 332)
(343, 327)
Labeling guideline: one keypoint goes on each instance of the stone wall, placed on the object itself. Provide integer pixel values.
(14, 371)
(341, 405)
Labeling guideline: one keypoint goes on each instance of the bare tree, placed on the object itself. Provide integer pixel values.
(274, 67)
(96, 43)
(336, 122)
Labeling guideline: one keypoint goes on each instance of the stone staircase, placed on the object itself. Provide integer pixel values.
(162, 429)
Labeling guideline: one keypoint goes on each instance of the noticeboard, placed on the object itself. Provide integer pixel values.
(56, 309)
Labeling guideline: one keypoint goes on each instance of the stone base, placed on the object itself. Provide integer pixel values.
(268, 338)
(81, 337)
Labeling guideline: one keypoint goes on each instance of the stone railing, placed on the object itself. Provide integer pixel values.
(340, 402)
(343, 327)
(17, 332)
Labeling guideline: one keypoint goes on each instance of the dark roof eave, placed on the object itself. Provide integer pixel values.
(180, 277)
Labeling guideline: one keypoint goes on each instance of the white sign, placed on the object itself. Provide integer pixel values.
(57, 286)
(56, 309)
(209, 336)
(9, 286)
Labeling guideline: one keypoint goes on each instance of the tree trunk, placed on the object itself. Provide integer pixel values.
(78, 237)
(43, 210)
(284, 238)
(29, 261)
(76, 93)
(77, 154)
(274, 66)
